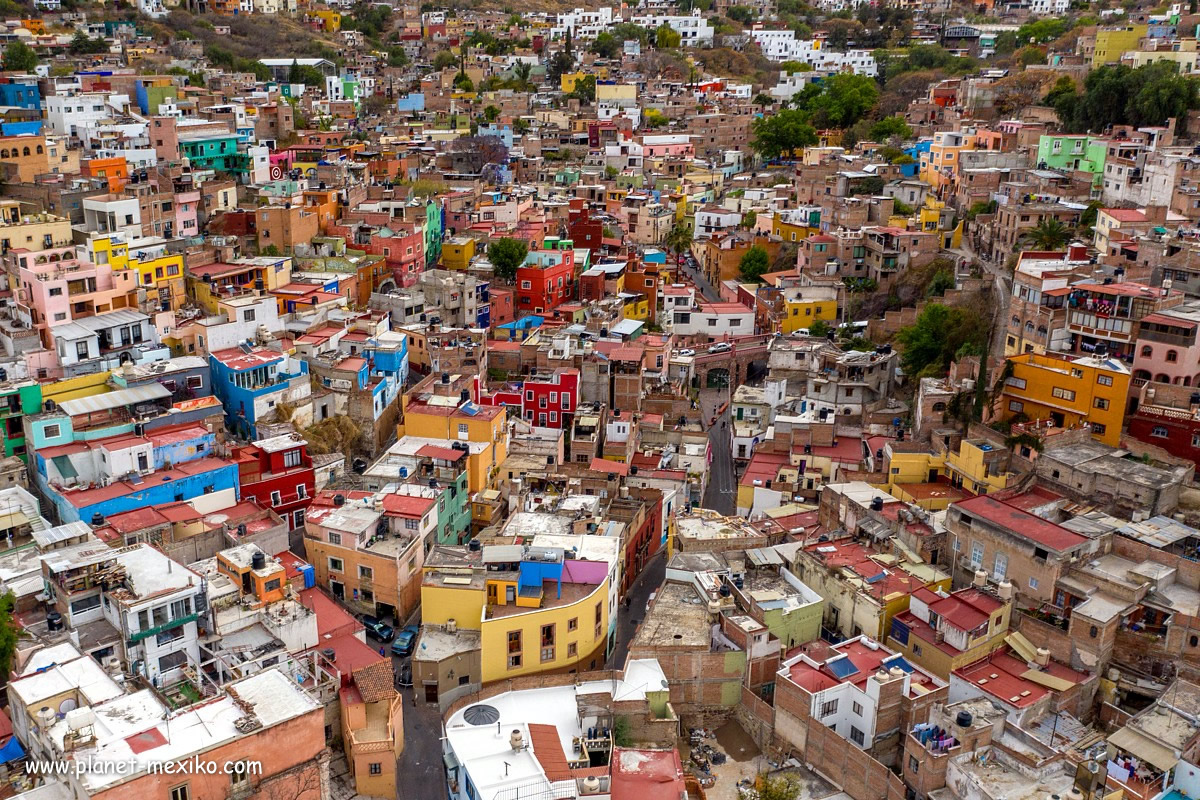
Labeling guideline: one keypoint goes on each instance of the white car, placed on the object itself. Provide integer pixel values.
(720, 347)
(687, 352)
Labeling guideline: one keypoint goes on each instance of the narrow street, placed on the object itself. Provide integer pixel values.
(629, 618)
(697, 277)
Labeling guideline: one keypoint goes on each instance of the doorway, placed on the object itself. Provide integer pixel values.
(338, 590)
(431, 693)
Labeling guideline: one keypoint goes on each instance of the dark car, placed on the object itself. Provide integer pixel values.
(404, 641)
(404, 676)
(378, 629)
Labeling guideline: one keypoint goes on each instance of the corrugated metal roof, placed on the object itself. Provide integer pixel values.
(121, 317)
(61, 533)
(120, 397)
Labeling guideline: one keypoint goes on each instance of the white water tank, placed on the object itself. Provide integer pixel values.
(516, 739)
(451, 626)
(591, 785)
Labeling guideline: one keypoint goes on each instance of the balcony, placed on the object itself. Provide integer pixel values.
(134, 638)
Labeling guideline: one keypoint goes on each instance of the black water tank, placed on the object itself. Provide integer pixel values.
(339, 499)
(963, 720)
(877, 504)
(445, 377)
(258, 560)
(725, 590)
(329, 654)
(241, 529)
(473, 545)
(54, 621)
(464, 396)
(97, 518)
(359, 465)
(633, 470)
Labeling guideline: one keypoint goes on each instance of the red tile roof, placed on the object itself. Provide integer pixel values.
(1022, 523)
(406, 505)
(647, 774)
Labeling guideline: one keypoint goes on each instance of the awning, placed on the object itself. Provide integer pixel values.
(65, 468)
(115, 399)
(1137, 744)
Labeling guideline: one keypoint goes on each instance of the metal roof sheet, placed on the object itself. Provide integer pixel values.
(120, 397)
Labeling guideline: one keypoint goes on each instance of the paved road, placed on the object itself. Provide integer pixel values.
(707, 289)
(629, 618)
(421, 773)
(721, 494)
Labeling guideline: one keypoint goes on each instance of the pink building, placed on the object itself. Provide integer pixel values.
(1168, 349)
(54, 286)
(668, 145)
(187, 213)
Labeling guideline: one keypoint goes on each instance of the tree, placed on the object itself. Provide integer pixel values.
(754, 263)
(1049, 234)
(888, 127)
(585, 89)
(443, 60)
(940, 334)
(606, 45)
(846, 99)
(679, 239)
(521, 73)
(653, 118)
(19, 57)
(397, 57)
(560, 64)
(742, 14)
(627, 30)
(763, 100)
(463, 83)
(1116, 94)
(666, 37)
(506, 255)
(83, 45)
(819, 328)
(9, 633)
(783, 788)
(782, 134)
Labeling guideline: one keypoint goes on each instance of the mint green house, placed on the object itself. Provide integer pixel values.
(1078, 152)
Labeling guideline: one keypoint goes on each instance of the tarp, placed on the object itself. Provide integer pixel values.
(1139, 745)
(11, 751)
(1024, 649)
(1049, 681)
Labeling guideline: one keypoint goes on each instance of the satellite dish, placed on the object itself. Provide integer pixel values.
(67, 705)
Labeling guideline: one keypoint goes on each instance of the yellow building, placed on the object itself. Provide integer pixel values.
(458, 252)
(979, 467)
(939, 165)
(619, 93)
(634, 306)
(941, 634)
(159, 272)
(25, 231)
(1112, 43)
(433, 416)
(802, 311)
(1068, 390)
(529, 621)
(789, 231)
(331, 21)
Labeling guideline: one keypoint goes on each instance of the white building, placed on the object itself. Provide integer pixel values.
(584, 24)
(715, 219)
(65, 113)
(694, 30)
(714, 320)
(110, 213)
(782, 45)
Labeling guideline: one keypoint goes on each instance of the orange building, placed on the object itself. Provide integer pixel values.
(114, 170)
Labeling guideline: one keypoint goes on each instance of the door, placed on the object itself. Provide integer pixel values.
(339, 591)
(431, 693)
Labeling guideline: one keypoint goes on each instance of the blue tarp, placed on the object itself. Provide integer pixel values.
(11, 751)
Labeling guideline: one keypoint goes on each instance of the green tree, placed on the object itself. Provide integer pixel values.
(1049, 234)
(463, 82)
(626, 31)
(940, 334)
(943, 281)
(679, 239)
(750, 219)
(888, 127)
(397, 57)
(763, 100)
(653, 118)
(521, 73)
(19, 57)
(443, 60)
(10, 632)
(792, 67)
(847, 99)
(742, 14)
(781, 135)
(754, 263)
(606, 45)
(585, 89)
(666, 38)
(506, 255)
(491, 113)
(82, 45)
(783, 788)
(1116, 94)
(820, 329)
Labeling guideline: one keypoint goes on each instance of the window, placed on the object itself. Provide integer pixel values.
(172, 661)
(913, 764)
(1101, 403)
(514, 662)
(1172, 355)
(179, 793)
(291, 458)
(1062, 394)
(336, 565)
(1099, 429)
(239, 773)
(301, 491)
(366, 573)
(999, 566)
(572, 650)
(857, 708)
(85, 604)
(916, 649)
(976, 554)
(572, 624)
(412, 524)
(51, 431)
(514, 642)
(334, 538)
(1016, 406)
(56, 291)
(462, 428)
(856, 736)
(1104, 380)
(1160, 432)
(1033, 583)
(375, 768)
(276, 498)
(829, 707)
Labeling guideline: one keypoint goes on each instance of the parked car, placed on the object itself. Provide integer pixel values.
(404, 676)
(378, 629)
(404, 642)
(720, 347)
(687, 352)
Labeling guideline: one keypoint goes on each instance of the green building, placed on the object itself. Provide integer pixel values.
(454, 510)
(434, 232)
(16, 401)
(1078, 152)
(217, 151)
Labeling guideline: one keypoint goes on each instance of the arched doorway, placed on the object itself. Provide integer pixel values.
(718, 378)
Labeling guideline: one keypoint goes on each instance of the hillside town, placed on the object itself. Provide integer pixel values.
(805, 383)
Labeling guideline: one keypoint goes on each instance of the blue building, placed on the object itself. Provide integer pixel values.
(251, 383)
(412, 102)
(914, 152)
(21, 94)
(520, 329)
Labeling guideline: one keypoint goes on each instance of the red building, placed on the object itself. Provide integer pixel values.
(584, 230)
(546, 400)
(1168, 416)
(547, 278)
(501, 301)
(277, 473)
